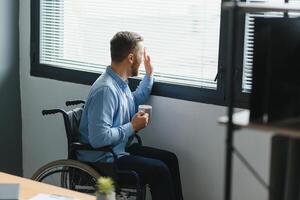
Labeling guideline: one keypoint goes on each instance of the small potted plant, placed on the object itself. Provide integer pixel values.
(105, 189)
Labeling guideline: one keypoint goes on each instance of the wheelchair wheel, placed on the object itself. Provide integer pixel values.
(70, 174)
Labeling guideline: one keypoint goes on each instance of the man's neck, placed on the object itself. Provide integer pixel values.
(120, 69)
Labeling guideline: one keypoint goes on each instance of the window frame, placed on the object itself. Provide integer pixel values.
(177, 91)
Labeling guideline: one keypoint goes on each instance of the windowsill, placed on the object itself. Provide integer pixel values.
(188, 93)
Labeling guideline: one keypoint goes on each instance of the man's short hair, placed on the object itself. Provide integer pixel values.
(122, 44)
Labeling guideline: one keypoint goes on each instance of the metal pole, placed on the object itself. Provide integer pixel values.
(231, 96)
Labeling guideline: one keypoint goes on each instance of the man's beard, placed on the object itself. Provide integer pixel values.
(135, 69)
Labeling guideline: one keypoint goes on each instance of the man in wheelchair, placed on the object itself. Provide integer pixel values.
(110, 117)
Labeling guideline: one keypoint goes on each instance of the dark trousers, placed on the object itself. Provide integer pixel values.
(158, 168)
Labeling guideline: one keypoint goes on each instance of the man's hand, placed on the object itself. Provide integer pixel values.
(139, 120)
(147, 63)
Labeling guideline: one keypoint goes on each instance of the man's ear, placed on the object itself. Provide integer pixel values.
(130, 58)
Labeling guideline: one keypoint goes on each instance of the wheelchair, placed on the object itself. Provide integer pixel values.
(82, 176)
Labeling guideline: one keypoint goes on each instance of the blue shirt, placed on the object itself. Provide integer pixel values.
(106, 119)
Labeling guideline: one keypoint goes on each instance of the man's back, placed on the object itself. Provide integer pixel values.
(109, 104)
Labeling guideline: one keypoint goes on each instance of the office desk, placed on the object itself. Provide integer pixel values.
(30, 188)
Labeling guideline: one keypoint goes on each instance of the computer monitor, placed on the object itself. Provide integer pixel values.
(275, 92)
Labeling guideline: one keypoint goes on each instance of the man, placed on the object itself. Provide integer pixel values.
(110, 118)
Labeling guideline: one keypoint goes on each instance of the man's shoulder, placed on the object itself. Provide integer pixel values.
(103, 89)
(103, 85)
(104, 82)
(102, 93)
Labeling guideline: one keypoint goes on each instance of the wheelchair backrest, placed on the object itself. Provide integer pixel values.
(72, 122)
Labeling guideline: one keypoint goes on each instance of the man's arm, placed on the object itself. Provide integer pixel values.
(142, 93)
(101, 111)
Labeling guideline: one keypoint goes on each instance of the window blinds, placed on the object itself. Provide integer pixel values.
(249, 40)
(182, 37)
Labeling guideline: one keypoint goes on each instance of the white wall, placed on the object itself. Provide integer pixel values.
(187, 128)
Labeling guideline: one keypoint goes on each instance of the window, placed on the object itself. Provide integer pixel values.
(186, 40)
(183, 38)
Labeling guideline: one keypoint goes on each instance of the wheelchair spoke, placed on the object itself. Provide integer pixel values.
(78, 176)
(69, 174)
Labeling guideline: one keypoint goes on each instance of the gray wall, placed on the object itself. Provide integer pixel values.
(187, 128)
(10, 105)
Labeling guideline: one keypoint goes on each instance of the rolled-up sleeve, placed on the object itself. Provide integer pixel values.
(100, 120)
(142, 93)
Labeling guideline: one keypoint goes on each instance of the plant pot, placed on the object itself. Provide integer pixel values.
(111, 196)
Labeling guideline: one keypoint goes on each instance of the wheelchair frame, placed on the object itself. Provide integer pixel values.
(74, 145)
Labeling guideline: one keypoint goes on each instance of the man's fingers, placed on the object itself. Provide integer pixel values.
(145, 52)
(146, 56)
(141, 113)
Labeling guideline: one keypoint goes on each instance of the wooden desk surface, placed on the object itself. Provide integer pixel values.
(30, 188)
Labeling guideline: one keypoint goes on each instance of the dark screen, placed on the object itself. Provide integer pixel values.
(275, 93)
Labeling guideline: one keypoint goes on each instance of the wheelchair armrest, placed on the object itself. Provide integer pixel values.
(86, 147)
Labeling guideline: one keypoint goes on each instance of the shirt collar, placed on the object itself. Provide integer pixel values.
(122, 84)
